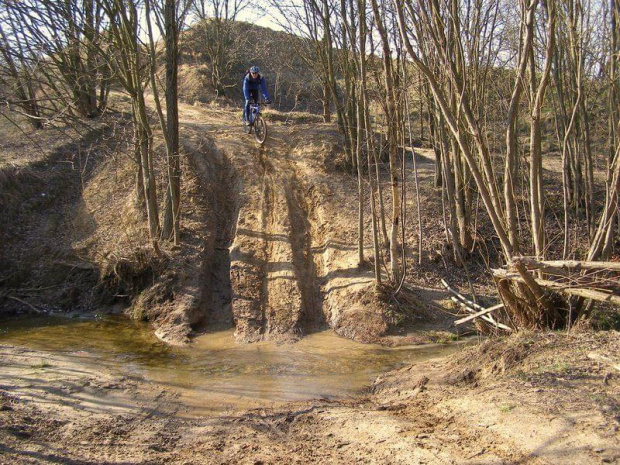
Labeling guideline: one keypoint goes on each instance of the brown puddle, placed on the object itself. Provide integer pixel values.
(214, 374)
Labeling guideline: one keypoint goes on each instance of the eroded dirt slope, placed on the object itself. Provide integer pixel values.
(293, 259)
(42, 210)
(268, 241)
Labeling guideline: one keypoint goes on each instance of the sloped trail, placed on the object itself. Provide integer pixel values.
(274, 276)
(293, 258)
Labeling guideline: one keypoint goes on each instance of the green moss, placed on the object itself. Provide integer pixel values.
(441, 337)
(505, 408)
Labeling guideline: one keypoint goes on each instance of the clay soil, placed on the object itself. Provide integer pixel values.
(286, 216)
(269, 248)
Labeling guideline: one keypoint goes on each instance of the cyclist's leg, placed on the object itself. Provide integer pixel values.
(246, 111)
(253, 99)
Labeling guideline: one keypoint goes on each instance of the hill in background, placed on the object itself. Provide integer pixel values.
(215, 58)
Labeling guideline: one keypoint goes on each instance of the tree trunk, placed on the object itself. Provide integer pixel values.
(172, 229)
(392, 141)
(327, 115)
(527, 15)
(536, 188)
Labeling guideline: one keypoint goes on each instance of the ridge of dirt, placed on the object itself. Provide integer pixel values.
(353, 306)
(222, 191)
(268, 239)
(353, 309)
(73, 238)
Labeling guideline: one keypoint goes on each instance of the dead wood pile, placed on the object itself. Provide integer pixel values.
(542, 294)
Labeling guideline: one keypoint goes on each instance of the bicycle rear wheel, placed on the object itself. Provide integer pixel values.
(260, 130)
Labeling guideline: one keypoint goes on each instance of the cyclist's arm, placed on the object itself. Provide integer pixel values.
(263, 88)
(246, 90)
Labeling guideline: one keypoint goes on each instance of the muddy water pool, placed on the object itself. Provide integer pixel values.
(214, 374)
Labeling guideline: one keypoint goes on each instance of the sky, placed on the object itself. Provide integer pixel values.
(259, 12)
(266, 19)
(261, 15)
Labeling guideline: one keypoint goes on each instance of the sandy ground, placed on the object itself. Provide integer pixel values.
(533, 398)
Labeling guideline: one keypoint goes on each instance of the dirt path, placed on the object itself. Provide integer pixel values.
(293, 268)
(273, 269)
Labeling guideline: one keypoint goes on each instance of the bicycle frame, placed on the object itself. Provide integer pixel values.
(254, 112)
(257, 123)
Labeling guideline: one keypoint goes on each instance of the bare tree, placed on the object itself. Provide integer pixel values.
(217, 36)
(169, 16)
(17, 76)
(64, 42)
(392, 139)
(130, 63)
(537, 93)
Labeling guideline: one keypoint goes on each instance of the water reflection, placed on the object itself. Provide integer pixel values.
(214, 373)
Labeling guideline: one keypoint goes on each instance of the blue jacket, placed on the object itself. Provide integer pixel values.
(254, 84)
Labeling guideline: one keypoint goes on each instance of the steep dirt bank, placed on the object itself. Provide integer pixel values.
(42, 177)
(293, 258)
(73, 238)
(531, 399)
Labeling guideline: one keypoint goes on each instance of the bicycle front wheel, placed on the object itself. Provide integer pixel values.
(260, 130)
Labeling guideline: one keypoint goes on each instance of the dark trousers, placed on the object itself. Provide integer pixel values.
(253, 99)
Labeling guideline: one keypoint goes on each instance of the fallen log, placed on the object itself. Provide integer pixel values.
(564, 288)
(568, 264)
(589, 275)
(473, 307)
(478, 314)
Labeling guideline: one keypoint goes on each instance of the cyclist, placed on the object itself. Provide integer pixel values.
(252, 82)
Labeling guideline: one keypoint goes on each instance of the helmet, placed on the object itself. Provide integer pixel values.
(254, 69)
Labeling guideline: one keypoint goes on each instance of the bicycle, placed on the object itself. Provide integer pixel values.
(257, 123)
